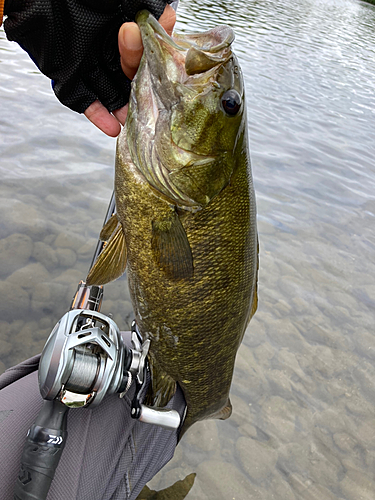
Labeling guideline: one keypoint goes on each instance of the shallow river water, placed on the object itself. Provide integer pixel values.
(303, 425)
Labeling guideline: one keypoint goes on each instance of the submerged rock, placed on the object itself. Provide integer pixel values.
(15, 252)
(29, 276)
(46, 255)
(66, 257)
(69, 240)
(22, 218)
(203, 436)
(306, 489)
(14, 300)
(357, 486)
(258, 459)
(223, 481)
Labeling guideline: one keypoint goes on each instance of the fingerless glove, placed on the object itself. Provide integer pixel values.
(75, 43)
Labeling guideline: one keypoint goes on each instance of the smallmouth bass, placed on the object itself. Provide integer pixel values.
(186, 218)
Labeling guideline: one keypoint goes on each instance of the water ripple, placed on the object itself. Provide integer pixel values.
(303, 390)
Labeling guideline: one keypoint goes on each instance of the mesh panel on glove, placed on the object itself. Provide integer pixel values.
(74, 42)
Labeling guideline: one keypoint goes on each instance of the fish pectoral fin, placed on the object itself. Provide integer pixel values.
(109, 228)
(224, 413)
(111, 263)
(162, 386)
(171, 248)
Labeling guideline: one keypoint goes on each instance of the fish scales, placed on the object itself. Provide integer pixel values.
(194, 313)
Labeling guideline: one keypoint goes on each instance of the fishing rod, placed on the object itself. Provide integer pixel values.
(83, 360)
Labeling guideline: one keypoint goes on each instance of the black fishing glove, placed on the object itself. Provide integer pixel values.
(74, 42)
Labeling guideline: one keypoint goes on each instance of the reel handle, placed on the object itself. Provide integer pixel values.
(163, 417)
(42, 451)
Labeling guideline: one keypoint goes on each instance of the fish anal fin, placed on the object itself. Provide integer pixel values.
(171, 248)
(224, 413)
(111, 263)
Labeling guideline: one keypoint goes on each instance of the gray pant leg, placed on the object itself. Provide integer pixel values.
(107, 456)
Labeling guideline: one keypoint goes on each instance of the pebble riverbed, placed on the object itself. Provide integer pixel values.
(303, 395)
(41, 264)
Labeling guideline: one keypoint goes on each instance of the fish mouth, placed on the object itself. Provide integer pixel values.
(177, 62)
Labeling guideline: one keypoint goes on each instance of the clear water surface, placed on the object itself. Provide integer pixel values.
(303, 425)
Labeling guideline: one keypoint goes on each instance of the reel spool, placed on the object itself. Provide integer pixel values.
(83, 360)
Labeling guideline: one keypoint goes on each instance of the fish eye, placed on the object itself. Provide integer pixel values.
(231, 102)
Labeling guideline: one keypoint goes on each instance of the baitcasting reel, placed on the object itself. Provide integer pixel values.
(84, 360)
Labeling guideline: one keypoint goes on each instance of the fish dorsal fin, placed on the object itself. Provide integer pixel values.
(171, 248)
(109, 228)
(111, 263)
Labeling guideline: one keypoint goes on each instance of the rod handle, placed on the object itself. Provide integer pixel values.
(42, 452)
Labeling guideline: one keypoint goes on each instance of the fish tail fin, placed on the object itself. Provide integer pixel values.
(178, 490)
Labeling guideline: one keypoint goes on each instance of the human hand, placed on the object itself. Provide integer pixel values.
(131, 49)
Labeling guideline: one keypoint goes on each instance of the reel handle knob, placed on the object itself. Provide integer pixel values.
(163, 417)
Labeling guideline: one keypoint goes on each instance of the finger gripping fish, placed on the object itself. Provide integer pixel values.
(186, 218)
